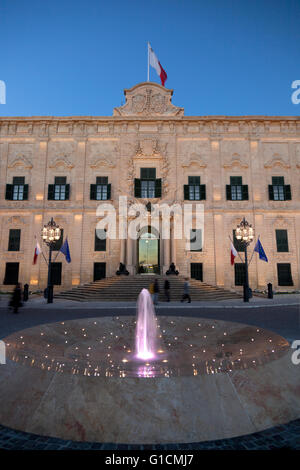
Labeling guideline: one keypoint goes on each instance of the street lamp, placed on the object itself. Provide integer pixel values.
(50, 234)
(245, 234)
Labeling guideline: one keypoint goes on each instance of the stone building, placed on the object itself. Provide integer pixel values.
(63, 167)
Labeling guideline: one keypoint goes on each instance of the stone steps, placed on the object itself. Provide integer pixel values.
(127, 288)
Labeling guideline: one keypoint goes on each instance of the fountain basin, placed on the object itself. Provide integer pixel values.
(79, 380)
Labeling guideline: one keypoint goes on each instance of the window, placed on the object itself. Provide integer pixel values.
(11, 274)
(148, 186)
(59, 191)
(284, 274)
(101, 191)
(236, 191)
(197, 271)
(196, 240)
(239, 274)
(194, 191)
(14, 240)
(100, 240)
(278, 191)
(238, 244)
(18, 190)
(56, 274)
(282, 240)
(56, 246)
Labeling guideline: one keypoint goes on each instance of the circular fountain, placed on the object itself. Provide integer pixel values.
(146, 380)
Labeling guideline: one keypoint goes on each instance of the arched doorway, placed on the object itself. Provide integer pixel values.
(148, 251)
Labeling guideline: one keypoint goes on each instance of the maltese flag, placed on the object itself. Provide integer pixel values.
(233, 253)
(154, 62)
(37, 251)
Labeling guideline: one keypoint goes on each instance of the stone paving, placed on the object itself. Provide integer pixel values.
(285, 436)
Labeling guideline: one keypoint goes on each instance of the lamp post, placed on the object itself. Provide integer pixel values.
(245, 233)
(50, 234)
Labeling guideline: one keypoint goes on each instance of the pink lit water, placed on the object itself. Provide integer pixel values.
(146, 333)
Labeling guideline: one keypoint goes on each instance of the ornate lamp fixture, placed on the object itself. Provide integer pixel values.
(245, 234)
(51, 233)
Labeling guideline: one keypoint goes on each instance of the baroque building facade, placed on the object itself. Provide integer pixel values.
(63, 167)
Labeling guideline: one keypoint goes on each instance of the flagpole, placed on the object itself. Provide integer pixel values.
(148, 74)
(254, 249)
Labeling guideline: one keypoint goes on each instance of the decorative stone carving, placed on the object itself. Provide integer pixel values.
(100, 161)
(277, 162)
(16, 220)
(63, 161)
(20, 160)
(236, 161)
(147, 99)
(194, 159)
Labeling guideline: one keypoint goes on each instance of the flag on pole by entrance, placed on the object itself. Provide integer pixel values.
(66, 250)
(261, 252)
(37, 251)
(154, 62)
(233, 253)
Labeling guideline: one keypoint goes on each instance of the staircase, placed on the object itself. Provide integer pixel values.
(127, 288)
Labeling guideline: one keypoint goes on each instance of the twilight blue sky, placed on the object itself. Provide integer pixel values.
(222, 57)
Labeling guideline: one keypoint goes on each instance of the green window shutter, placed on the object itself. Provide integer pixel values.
(194, 180)
(287, 192)
(158, 187)
(9, 192)
(93, 192)
(228, 192)
(67, 192)
(148, 173)
(50, 192)
(202, 191)
(278, 180)
(137, 187)
(235, 180)
(271, 192)
(186, 192)
(14, 240)
(282, 241)
(245, 194)
(109, 191)
(25, 192)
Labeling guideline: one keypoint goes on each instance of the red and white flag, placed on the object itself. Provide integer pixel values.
(154, 62)
(233, 253)
(37, 251)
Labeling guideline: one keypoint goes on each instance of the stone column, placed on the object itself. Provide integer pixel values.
(173, 245)
(122, 250)
(166, 265)
(129, 256)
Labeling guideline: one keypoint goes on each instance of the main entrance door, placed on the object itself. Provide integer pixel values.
(148, 252)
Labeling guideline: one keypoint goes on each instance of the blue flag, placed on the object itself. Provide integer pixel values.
(259, 249)
(66, 250)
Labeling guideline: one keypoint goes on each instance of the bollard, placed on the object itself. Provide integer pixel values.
(270, 291)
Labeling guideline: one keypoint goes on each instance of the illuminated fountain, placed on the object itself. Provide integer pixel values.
(146, 334)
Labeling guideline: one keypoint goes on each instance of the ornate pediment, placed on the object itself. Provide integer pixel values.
(195, 160)
(63, 161)
(100, 161)
(150, 148)
(148, 99)
(20, 160)
(277, 161)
